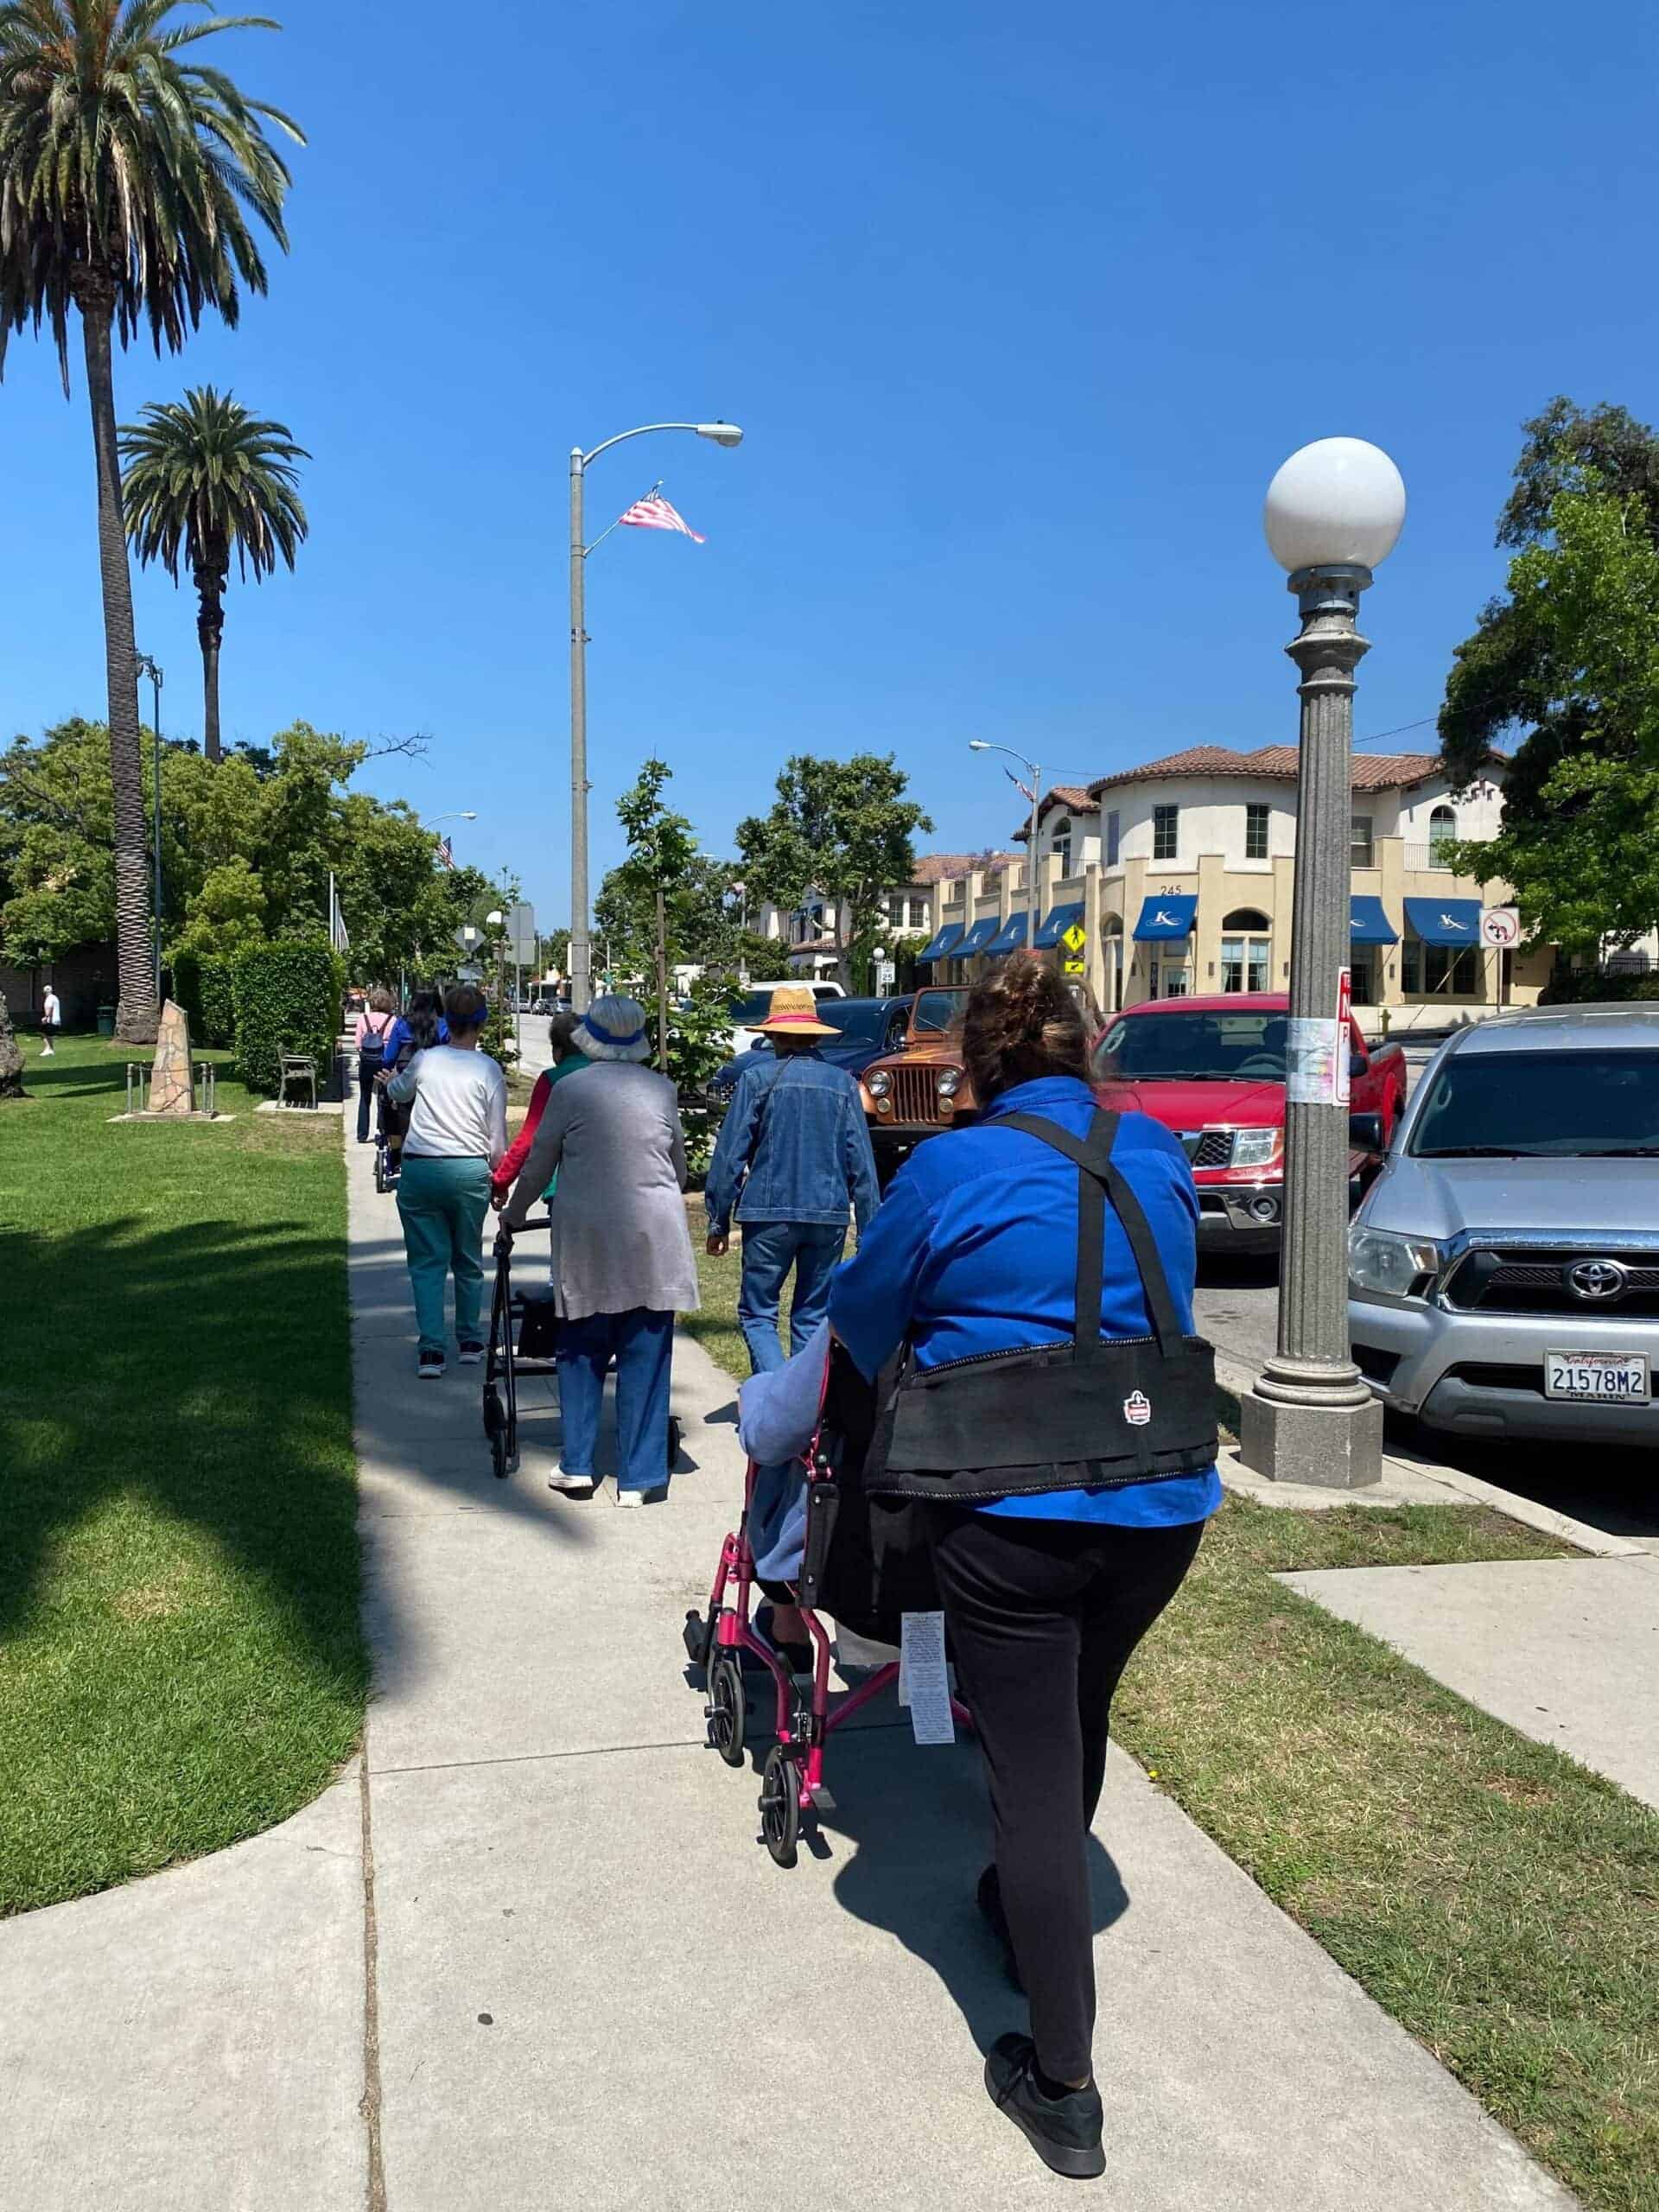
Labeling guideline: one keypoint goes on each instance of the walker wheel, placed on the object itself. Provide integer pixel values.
(499, 1453)
(495, 1420)
(725, 1709)
(781, 1806)
(674, 1442)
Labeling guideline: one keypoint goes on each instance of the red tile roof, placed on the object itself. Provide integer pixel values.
(936, 867)
(1372, 771)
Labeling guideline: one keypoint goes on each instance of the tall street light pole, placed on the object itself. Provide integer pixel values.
(1033, 895)
(1333, 512)
(146, 666)
(581, 950)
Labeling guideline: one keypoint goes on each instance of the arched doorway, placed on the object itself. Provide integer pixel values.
(1111, 937)
(1246, 949)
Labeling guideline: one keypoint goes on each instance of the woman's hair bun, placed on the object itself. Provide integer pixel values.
(1021, 1023)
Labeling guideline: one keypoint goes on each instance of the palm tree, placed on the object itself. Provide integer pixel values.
(127, 180)
(202, 478)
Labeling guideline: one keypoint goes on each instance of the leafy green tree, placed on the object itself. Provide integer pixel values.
(1582, 617)
(227, 914)
(205, 479)
(128, 176)
(843, 828)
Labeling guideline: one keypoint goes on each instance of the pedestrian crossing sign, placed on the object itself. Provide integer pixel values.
(1072, 943)
(1075, 938)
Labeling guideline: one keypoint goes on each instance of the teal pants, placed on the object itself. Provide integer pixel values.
(443, 1202)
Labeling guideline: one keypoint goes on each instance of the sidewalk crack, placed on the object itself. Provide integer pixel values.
(369, 2105)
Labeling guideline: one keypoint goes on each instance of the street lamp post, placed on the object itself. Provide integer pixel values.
(146, 666)
(1032, 907)
(1333, 511)
(581, 954)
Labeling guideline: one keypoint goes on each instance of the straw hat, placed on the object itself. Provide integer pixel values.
(795, 1013)
(613, 1028)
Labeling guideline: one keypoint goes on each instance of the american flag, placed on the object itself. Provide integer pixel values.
(1024, 789)
(654, 512)
(445, 853)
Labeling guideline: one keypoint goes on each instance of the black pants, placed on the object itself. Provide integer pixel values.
(365, 1098)
(1043, 1617)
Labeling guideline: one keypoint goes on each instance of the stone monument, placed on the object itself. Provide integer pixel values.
(172, 1092)
(12, 1058)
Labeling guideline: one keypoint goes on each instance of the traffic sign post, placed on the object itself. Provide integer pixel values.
(1500, 930)
(1073, 943)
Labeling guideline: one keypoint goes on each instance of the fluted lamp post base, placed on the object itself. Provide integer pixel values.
(1300, 1425)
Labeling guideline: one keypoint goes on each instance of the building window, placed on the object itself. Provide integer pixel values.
(1360, 849)
(1360, 968)
(1256, 831)
(1438, 971)
(1060, 843)
(1442, 832)
(1245, 951)
(1166, 834)
(1112, 838)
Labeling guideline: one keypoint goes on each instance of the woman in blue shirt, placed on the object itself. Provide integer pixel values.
(1046, 1591)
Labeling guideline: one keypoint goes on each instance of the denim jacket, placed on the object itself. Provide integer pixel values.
(796, 1126)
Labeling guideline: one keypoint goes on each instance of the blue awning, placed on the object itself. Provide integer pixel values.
(941, 944)
(1059, 920)
(1010, 937)
(1444, 921)
(979, 936)
(1168, 917)
(1367, 923)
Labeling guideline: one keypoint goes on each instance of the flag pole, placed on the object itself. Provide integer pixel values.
(617, 524)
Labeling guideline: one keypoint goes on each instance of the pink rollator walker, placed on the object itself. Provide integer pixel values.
(791, 1782)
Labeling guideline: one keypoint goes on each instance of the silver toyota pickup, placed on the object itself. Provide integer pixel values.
(1504, 1268)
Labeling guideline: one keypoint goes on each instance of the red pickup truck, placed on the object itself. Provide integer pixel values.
(1213, 1070)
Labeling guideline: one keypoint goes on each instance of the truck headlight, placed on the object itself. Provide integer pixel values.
(1391, 1266)
(880, 1083)
(1255, 1148)
(950, 1082)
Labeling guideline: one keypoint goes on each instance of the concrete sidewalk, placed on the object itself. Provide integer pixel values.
(536, 1955)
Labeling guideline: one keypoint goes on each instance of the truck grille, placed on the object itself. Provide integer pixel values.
(1209, 1147)
(1539, 1282)
(915, 1094)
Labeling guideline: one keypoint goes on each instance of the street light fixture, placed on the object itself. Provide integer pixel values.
(459, 814)
(987, 745)
(581, 955)
(145, 666)
(1333, 511)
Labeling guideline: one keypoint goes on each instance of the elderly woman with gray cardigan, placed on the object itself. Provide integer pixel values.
(622, 1263)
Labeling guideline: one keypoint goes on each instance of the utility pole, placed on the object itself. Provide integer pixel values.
(662, 980)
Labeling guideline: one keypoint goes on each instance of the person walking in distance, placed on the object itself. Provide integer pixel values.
(794, 1156)
(369, 1035)
(51, 1017)
(457, 1098)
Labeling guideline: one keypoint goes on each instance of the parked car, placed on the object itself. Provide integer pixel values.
(1503, 1269)
(1212, 1070)
(865, 1027)
(755, 1005)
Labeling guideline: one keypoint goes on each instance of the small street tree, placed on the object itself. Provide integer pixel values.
(127, 177)
(843, 828)
(205, 479)
(1571, 655)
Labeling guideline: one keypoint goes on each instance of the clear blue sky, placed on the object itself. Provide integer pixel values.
(1020, 310)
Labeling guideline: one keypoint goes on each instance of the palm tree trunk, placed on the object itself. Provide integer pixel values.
(210, 630)
(135, 1010)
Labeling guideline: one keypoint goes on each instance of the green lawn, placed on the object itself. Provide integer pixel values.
(180, 1662)
(1501, 1902)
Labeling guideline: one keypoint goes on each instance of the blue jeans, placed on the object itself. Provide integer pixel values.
(443, 1202)
(641, 1342)
(770, 1250)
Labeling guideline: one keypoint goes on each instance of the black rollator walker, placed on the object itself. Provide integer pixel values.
(524, 1337)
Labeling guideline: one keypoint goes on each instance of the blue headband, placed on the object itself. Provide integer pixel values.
(609, 1036)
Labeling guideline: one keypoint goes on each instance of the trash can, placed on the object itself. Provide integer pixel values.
(106, 1021)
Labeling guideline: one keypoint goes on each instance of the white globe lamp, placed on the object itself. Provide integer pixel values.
(1337, 503)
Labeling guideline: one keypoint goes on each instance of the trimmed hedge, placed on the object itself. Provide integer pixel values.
(204, 986)
(287, 1001)
(1571, 986)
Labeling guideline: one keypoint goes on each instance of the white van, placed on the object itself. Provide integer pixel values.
(756, 1004)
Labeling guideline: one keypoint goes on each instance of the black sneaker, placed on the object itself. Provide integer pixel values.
(430, 1366)
(989, 1898)
(472, 1354)
(1063, 2130)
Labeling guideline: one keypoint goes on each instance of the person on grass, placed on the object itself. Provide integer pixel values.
(51, 1019)
(793, 1159)
(457, 1102)
(622, 1260)
(1049, 1574)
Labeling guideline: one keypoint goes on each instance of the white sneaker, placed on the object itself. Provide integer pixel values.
(641, 1496)
(572, 1485)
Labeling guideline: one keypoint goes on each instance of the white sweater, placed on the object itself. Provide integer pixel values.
(460, 1105)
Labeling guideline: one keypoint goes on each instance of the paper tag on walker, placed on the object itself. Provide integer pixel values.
(923, 1684)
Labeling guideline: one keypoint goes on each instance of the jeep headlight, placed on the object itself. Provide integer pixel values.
(1387, 1265)
(950, 1082)
(880, 1083)
(1255, 1148)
